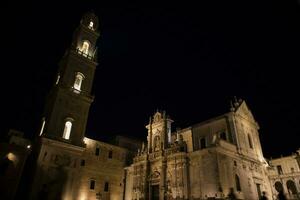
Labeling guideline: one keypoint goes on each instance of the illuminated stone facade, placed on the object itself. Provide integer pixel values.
(68, 165)
(285, 175)
(202, 161)
(71, 172)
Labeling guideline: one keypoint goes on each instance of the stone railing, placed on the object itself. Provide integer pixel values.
(175, 149)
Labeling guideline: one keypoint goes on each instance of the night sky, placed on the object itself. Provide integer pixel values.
(187, 59)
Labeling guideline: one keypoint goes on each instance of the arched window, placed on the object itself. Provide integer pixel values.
(85, 47)
(237, 183)
(250, 141)
(91, 25)
(278, 186)
(92, 184)
(291, 187)
(106, 187)
(67, 130)
(78, 81)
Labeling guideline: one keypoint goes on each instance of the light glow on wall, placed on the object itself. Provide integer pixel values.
(43, 125)
(85, 48)
(12, 157)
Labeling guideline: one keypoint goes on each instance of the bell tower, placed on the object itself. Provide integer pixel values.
(68, 103)
(159, 132)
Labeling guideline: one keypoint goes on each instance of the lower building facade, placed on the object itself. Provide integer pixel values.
(284, 175)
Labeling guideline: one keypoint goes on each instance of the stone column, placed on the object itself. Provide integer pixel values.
(162, 181)
(185, 179)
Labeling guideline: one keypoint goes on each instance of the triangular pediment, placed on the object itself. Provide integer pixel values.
(244, 111)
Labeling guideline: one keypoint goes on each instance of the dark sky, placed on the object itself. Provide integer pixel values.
(188, 59)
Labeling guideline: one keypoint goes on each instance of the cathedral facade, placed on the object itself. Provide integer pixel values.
(209, 160)
(203, 161)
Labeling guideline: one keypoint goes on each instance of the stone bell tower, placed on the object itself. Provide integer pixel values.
(159, 132)
(61, 146)
(68, 103)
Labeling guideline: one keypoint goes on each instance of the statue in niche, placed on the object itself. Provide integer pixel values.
(157, 117)
(156, 143)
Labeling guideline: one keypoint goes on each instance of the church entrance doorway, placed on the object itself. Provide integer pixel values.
(155, 192)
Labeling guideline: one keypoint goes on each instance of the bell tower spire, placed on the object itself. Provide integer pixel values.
(67, 105)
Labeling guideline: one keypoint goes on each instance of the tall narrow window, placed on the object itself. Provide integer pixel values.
(43, 125)
(110, 153)
(237, 183)
(67, 130)
(97, 151)
(250, 142)
(258, 190)
(85, 48)
(78, 81)
(82, 163)
(92, 184)
(279, 169)
(106, 187)
(202, 143)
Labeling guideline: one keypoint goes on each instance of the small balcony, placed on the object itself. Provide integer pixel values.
(84, 54)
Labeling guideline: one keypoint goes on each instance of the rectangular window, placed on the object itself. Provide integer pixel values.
(258, 190)
(82, 163)
(97, 151)
(292, 170)
(92, 184)
(202, 143)
(279, 169)
(106, 187)
(223, 135)
(250, 141)
(110, 154)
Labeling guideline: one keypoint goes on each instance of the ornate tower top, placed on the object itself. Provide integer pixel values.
(86, 35)
(90, 20)
(159, 131)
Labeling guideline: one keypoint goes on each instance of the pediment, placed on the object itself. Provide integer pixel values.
(244, 111)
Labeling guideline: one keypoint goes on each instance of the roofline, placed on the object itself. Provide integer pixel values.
(211, 120)
(106, 143)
